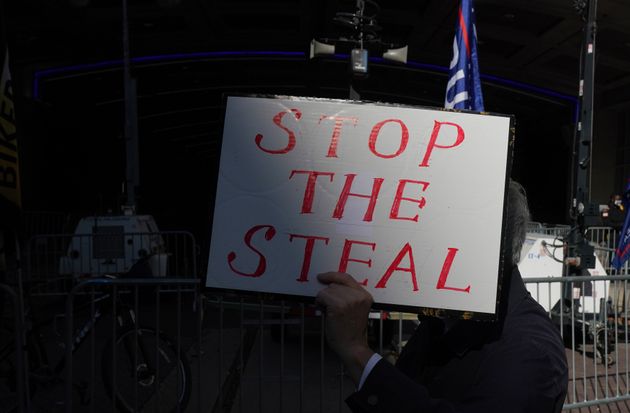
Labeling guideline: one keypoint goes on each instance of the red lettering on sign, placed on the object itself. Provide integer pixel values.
(309, 192)
(332, 149)
(377, 129)
(262, 262)
(406, 250)
(308, 252)
(291, 135)
(345, 193)
(433, 140)
(345, 256)
(393, 214)
(446, 267)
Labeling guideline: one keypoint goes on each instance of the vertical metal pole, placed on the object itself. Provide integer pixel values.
(240, 357)
(92, 350)
(321, 362)
(584, 324)
(615, 315)
(586, 92)
(573, 340)
(136, 343)
(301, 409)
(69, 346)
(158, 291)
(220, 353)
(582, 147)
(261, 354)
(114, 347)
(200, 307)
(281, 356)
(179, 377)
(131, 117)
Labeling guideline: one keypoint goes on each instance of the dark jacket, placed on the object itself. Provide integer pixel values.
(616, 217)
(516, 365)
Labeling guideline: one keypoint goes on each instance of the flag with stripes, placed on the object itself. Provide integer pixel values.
(463, 90)
(622, 253)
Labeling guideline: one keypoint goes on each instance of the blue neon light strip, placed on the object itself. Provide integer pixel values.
(39, 75)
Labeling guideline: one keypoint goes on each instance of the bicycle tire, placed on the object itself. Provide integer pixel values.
(140, 381)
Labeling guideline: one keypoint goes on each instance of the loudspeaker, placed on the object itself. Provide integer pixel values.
(319, 48)
(397, 55)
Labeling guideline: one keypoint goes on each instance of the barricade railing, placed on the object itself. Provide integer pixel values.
(605, 237)
(555, 231)
(271, 355)
(142, 337)
(54, 262)
(595, 331)
(14, 386)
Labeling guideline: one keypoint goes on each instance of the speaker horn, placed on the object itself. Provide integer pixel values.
(319, 48)
(396, 55)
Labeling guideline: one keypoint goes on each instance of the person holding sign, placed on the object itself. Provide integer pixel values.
(515, 364)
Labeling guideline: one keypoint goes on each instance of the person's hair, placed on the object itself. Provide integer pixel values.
(518, 218)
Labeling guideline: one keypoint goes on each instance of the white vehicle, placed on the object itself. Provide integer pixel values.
(115, 245)
(541, 256)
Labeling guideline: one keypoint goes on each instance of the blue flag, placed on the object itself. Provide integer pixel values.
(623, 248)
(463, 90)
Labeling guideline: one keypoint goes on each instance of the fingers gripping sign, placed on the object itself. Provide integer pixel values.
(347, 305)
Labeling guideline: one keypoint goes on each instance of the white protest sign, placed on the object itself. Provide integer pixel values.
(407, 200)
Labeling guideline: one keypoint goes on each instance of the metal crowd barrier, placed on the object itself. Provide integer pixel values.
(271, 356)
(14, 386)
(555, 231)
(596, 341)
(54, 262)
(133, 345)
(253, 355)
(604, 239)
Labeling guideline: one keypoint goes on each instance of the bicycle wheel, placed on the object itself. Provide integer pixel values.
(149, 374)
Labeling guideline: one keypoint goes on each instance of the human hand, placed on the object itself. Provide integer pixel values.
(347, 306)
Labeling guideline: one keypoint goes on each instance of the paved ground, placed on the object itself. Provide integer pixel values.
(590, 380)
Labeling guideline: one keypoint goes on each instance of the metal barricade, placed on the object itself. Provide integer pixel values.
(595, 331)
(602, 236)
(14, 387)
(133, 345)
(554, 231)
(271, 356)
(54, 262)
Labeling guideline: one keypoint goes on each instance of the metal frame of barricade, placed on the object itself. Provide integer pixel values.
(55, 261)
(22, 387)
(606, 334)
(186, 346)
(556, 231)
(272, 354)
(605, 237)
(254, 373)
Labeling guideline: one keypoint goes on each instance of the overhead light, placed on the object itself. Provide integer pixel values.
(319, 49)
(396, 55)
